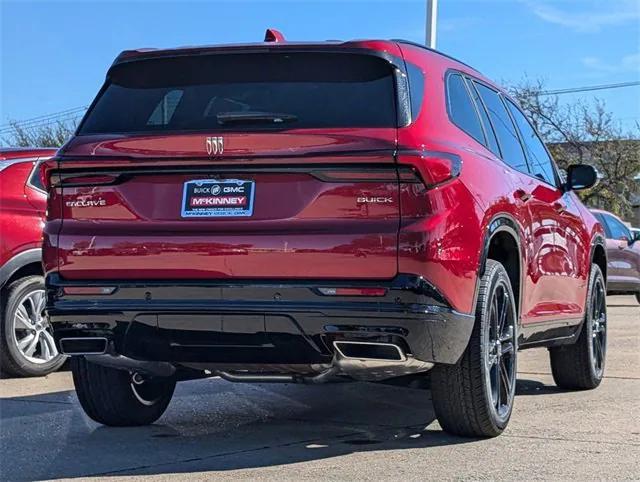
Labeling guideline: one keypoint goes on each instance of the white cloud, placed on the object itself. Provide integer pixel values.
(592, 19)
(628, 63)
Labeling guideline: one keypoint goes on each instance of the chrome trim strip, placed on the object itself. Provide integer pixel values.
(336, 344)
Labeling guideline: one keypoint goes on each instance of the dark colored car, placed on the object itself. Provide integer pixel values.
(27, 347)
(623, 254)
(312, 212)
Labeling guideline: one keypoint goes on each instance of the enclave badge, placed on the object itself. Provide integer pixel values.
(215, 145)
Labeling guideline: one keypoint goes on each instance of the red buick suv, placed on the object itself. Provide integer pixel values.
(315, 212)
(27, 347)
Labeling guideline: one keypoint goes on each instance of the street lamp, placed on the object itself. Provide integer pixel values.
(432, 17)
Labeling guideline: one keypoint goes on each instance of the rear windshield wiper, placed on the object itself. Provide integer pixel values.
(252, 117)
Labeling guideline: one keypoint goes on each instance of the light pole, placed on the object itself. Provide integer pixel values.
(432, 17)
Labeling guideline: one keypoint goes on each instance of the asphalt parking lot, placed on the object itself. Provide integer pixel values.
(215, 429)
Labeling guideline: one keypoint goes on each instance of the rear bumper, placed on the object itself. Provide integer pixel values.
(258, 322)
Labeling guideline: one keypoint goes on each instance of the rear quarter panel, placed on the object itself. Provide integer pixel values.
(446, 246)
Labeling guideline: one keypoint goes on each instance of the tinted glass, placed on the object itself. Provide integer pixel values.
(510, 146)
(616, 229)
(488, 128)
(539, 159)
(416, 88)
(34, 179)
(229, 91)
(463, 113)
(601, 220)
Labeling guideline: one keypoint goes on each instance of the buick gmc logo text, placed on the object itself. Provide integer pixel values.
(88, 203)
(215, 189)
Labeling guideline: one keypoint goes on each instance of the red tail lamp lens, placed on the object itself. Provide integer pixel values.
(93, 180)
(434, 167)
(44, 170)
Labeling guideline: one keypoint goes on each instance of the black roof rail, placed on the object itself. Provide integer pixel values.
(416, 44)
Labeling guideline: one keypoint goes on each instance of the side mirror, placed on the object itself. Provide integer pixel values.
(580, 176)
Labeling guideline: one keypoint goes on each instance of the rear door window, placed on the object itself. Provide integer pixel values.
(506, 133)
(461, 108)
(616, 230)
(492, 142)
(540, 161)
(245, 91)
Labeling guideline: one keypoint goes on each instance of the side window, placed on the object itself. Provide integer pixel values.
(617, 230)
(462, 112)
(510, 146)
(416, 88)
(539, 159)
(601, 220)
(488, 129)
(34, 178)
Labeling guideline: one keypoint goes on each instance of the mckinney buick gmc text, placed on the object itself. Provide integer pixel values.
(313, 212)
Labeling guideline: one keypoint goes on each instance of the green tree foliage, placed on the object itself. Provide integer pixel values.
(49, 135)
(583, 132)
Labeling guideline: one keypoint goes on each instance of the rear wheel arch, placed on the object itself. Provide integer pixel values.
(26, 263)
(502, 243)
(599, 255)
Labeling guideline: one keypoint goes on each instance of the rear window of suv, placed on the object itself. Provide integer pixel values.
(245, 91)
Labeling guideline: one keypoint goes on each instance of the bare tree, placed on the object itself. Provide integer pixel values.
(49, 135)
(585, 133)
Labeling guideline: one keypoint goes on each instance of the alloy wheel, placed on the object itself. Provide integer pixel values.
(501, 351)
(31, 330)
(598, 327)
(147, 390)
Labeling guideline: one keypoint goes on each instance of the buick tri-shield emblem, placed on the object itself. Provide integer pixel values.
(215, 145)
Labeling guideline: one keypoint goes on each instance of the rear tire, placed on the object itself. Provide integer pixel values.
(475, 396)
(581, 366)
(638, 296)
(110, 396)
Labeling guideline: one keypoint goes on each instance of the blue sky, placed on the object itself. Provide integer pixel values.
(55, 54)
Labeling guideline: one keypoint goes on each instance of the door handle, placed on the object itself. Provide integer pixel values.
(523, 195)
(560, 208)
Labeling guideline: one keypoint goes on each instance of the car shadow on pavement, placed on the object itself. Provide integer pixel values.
(535, 387)
(213, 425)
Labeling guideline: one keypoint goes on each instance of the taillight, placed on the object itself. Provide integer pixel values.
(45, 172)
(77, 180)
(434, 167)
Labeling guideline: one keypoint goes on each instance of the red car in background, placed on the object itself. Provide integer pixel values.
(623, 253)
(26, 343)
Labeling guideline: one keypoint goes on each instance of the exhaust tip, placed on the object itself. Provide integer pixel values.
(83, 346)
(363, 350)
